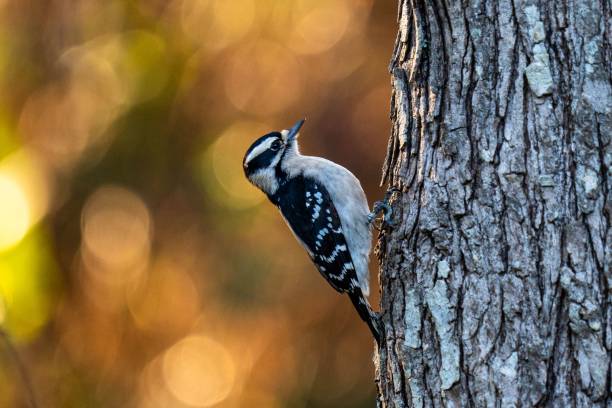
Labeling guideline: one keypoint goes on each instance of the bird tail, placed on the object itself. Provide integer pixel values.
(366, 313)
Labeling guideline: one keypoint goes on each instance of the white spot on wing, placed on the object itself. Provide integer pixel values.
(332, 257)
(316, 210)
(322, 233)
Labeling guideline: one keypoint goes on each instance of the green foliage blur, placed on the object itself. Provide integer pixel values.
(138, 268)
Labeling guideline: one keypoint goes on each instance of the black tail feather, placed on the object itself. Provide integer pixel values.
(366, 313)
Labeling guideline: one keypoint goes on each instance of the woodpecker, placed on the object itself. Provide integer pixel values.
(325, 207)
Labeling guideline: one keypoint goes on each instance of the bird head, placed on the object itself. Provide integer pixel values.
(263, 159)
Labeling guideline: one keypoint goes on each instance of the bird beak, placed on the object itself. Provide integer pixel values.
(293, 132)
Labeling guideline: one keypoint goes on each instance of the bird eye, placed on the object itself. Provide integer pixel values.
(275, 145)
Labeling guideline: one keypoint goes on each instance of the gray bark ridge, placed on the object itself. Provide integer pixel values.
(496, 284)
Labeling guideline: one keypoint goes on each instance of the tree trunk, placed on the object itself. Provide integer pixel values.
(496, 280)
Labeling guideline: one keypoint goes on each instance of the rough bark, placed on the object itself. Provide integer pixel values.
(496, 282)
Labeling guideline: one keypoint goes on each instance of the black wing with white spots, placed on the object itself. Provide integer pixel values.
(311, 214)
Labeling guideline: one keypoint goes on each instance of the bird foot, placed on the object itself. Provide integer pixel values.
(384, 207)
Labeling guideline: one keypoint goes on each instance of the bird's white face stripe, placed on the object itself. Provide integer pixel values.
(265, 179)
(262, 147)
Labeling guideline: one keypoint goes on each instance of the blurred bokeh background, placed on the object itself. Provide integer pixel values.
(137, 266)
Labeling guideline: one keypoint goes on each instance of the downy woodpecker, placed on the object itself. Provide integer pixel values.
(326, 209)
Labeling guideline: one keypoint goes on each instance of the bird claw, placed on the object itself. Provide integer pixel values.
(380, 206)
(385, 208)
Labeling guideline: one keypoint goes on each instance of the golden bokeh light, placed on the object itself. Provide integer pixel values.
(215, 24)
(129, 67)
(28, 284)
(100, 350)
(2, 310)
(93, 19)
(367, 121)
(106, 76)
(154, 305)
(199, 371)
(25, 191)
(224, 158)
(117, 230)
(319, 28)
(44, 125)
(14, 212)
(263, 78)
(138, 267)
(152, 389)
(256, 399)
